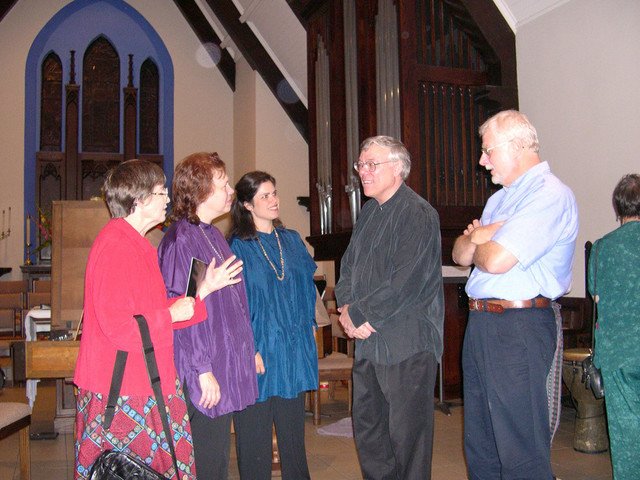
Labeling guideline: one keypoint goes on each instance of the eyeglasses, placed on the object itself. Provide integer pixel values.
(164, 192)
(487, 151)
(369, 166)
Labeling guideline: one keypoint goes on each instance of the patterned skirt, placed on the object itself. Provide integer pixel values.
(136, 430)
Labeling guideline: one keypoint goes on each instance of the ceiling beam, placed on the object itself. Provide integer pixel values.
(305, 10)
(5, 6)
(260, 60)
(205, 33)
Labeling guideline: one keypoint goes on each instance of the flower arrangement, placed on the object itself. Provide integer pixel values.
(43, 225)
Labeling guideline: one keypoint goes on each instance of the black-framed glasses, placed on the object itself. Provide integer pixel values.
(369, 166)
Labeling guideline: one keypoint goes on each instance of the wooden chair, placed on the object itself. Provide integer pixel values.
(35, 299)
(12, 298)
(19, 286)
(334, 367)
(42, 286)
(16, 417)
(11, 305)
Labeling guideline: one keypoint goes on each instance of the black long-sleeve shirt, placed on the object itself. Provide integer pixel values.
(391, 277)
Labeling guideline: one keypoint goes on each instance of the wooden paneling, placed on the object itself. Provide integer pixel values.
(75, 226)
(456, 308)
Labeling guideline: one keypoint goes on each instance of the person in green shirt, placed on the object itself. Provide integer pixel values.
(614, 281)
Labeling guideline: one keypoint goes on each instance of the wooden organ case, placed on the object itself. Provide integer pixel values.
(426, 71)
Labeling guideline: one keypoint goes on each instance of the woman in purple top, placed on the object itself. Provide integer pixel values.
(215, 359)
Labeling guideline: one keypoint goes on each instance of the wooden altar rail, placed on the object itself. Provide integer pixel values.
(44, 359)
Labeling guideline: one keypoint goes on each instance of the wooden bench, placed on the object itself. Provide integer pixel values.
(16, 417)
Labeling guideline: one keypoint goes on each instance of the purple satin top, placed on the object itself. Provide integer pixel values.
(223, 343)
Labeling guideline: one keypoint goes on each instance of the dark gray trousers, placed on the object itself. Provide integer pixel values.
(393, 417)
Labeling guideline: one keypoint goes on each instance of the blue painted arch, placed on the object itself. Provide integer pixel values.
(75, 27)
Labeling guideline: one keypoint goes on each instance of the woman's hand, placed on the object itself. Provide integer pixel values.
(259, 364)
(182, 309)
(217, 278)
(210, 390)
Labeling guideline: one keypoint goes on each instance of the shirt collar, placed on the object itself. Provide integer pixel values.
(394, 198)
(539, 169)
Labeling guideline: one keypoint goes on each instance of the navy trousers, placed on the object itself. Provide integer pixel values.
(393, 417)
(506, 358)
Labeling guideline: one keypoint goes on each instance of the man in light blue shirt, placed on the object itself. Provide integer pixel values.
(522, 248)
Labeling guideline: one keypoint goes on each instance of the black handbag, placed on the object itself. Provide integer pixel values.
(591, 375)
(113, 465)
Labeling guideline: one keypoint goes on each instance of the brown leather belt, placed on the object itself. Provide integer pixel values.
(498, 306)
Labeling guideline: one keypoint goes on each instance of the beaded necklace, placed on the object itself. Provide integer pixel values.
(219, 255)
(281, 276)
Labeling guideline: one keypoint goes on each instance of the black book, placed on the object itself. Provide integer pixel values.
(197, 272)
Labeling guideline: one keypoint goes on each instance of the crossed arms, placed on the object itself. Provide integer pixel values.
(475, 246)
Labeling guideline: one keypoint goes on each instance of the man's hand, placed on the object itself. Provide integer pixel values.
(210, 390)
(363, 331)
(472, 226)
(480, 235)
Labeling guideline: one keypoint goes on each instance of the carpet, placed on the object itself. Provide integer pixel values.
(342, 428)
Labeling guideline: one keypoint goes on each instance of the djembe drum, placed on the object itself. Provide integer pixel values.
(590, 434)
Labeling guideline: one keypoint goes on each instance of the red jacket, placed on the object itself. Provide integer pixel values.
(123, 279)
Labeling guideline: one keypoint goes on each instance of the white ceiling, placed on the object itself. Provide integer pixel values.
(519, 12)
(282, 35)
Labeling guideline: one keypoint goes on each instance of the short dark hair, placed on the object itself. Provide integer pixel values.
(192, 184)
(130, 181)
(242, 224)
(626, 197)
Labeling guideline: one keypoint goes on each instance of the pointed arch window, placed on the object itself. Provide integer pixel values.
(149, 107)
(51, 104)
(101, 98)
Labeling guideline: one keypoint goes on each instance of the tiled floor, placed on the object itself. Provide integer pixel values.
(330, 457)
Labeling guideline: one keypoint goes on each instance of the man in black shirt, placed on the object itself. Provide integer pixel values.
(390, 290)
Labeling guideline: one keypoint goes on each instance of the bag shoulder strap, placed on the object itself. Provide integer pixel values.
(114, 390)
(154, 379)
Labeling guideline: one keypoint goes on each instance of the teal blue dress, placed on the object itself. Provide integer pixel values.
(282, 311)
(616, 281)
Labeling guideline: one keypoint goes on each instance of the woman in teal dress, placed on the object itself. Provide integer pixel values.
(279, 278)
(614, 281)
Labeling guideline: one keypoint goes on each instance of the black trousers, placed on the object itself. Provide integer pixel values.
(254, 426)
(393, 417)
(211, 442)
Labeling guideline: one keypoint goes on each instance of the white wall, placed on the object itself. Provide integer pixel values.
(578, 74)
(18, 30)
(203, 102)
(281, 151)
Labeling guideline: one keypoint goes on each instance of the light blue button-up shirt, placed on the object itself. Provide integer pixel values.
(540, 230)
